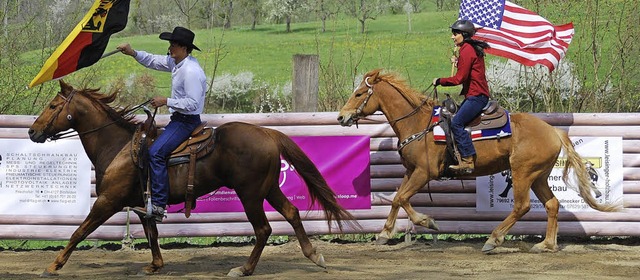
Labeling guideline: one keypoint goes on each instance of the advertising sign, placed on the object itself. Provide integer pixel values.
(52, 178)
(342, 160)
(603, 159)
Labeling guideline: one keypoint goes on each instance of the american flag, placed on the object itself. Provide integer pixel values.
(517, 33)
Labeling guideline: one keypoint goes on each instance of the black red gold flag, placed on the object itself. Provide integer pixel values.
(86, 43)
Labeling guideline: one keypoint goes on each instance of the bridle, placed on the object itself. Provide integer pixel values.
(68, 134)
(392, 123)
(413, 137)
(67, 101)
(366, 99)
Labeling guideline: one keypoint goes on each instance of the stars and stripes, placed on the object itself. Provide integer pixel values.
(438, 132)
(516, 33)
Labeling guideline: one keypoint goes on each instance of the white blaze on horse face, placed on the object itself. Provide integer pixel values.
(357, 89)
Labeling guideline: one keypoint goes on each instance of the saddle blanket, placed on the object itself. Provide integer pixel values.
(499, 132)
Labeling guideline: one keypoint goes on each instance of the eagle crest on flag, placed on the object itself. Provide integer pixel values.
(85, 45)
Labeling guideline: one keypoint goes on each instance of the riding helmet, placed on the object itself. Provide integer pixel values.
(465, 27)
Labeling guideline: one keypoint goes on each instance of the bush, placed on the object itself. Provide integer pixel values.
(241, 93)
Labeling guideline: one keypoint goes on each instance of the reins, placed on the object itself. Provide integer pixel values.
(74, 133)
(415, 110)
(394, 121)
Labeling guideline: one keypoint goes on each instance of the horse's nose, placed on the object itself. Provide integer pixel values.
(31, 131)
(340, 118)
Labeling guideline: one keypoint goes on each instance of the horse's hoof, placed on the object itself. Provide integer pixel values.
(382, 240)
(487, 248)
(541, 248)
(432, 225)
(47, 274)
(320, 261)
(148, 270)
(145, 272)
(236, 272)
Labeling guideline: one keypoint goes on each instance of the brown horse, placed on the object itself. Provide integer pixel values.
(530, 152)
(246, 158)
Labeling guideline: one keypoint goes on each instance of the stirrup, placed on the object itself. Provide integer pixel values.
(149, 213)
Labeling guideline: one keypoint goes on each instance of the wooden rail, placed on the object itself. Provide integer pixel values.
(452, 203)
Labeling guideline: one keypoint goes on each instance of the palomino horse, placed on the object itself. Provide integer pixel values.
(530, 152)
(246, 158)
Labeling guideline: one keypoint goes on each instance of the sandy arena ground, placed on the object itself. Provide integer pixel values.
(594, 259)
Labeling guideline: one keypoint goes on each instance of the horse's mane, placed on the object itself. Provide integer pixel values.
(102, 102)
(416, 98)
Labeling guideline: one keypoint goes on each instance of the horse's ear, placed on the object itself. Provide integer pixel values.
(64, 87)
(373, 76)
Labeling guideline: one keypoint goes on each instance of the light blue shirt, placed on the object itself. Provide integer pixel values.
(188, 81)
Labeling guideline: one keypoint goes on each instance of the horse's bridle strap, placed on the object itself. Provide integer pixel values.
(69, 134)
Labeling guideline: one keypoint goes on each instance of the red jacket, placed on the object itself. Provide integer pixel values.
(471, 73)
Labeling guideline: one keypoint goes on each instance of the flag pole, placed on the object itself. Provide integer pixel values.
(454, 59)
(110, 53)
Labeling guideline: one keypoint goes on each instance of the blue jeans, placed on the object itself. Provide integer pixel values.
(177, 131)
(471, 107)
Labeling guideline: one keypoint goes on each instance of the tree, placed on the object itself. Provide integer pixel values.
(325, 9)
(255, 10)
(186, 7)
(416, 4)
(285, 9)
(362, 10)
(27, 26)
(151, 17)
(227, 14)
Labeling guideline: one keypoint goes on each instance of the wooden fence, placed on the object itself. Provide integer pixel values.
(453, 205)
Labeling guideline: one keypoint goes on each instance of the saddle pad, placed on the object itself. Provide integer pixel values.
(438, 133)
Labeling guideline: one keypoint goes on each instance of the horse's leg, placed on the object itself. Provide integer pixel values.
(522, 181)
(411, 184)
(151, 232)
(280, 202)
(101, 211)
(390, 224)
(545, 195)
(255, 213)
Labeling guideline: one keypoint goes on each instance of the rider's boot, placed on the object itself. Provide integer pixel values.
(157, 212)
(465, 166)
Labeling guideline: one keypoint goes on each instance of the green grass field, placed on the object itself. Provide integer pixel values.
(419, 55)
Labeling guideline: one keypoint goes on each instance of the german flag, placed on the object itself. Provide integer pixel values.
(85, 45)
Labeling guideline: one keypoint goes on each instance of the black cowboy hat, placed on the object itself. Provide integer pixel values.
(181, 36)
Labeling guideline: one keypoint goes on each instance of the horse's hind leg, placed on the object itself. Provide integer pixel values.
(255, 213)
(280, 202)
(522, 180)
(545, 195)
(101, 211)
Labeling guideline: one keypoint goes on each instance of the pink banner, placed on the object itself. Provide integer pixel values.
(342, 160)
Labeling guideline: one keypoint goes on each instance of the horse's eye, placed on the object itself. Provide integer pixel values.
(51, 106)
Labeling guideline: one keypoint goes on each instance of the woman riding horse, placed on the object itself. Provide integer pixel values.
(530, 152)
(475, 89)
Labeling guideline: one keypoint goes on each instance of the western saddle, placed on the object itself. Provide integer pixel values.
(199, 144)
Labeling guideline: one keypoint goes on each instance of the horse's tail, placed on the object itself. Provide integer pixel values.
(318, 188)
(575, 162)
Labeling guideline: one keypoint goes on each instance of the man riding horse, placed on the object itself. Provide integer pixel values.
(188, 87)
